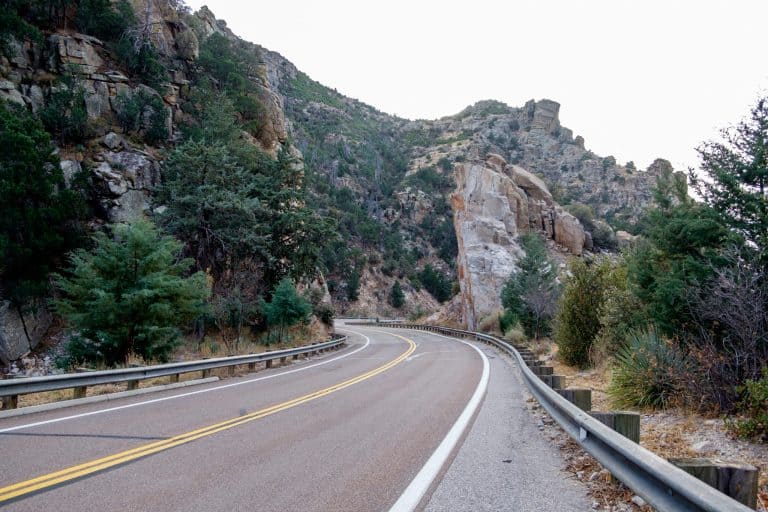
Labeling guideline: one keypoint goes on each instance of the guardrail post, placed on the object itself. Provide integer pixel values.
(554, 381)
(283, 360)
(541, 371)
(737, 480)
(10, 402)
(251, 367)
(174, 379)
(581, 398)
(269, 363)
(132, 384)
(206, 374)
(625, 423)
(79, 392)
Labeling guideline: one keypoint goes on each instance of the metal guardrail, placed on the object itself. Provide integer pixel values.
(663, 485)
(12, 388)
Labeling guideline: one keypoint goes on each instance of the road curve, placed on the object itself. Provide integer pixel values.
(348, 435)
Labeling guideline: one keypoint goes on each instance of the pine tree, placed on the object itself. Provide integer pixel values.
(129, 295)
(737, 176)
(530, 295)
(38, 214)
(396, 296)
(287, 307)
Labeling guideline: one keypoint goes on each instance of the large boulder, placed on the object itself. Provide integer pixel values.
(14, 343)
(126, 179)
(487, 209)
(493, 204)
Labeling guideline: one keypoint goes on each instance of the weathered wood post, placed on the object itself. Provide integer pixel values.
(554, 381)
(79, 392)
(737, 480)
(10, 402)
(174, 379)
(623, 422)
(581, 398)
(132, 385)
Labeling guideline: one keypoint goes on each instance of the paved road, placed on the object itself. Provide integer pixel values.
(347, 432)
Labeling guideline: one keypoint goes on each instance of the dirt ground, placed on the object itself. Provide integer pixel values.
(672, 433)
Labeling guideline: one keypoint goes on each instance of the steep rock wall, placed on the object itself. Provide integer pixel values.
(493, 204)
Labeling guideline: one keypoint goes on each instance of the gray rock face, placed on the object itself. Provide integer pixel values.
(127, 179)
(13, 340)
(493, 204)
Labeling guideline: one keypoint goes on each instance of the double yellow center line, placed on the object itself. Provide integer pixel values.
(51, 479)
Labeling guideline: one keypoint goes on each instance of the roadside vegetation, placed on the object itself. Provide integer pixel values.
(226, 256)
(681, 317)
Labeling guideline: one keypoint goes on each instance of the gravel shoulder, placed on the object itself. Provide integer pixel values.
(506, 462)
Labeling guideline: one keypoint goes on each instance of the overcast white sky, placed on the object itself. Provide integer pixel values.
(637, 79)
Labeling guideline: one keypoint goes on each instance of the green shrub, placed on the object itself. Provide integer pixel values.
(144, 62)
(64, 113)
(101, 19)
(325, 313)
(645, 374)
(577, 322)
(438, 285)
(396, 296)
(143, 112)
(754, 405)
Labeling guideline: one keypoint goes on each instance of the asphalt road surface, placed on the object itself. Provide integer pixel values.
(345, 432)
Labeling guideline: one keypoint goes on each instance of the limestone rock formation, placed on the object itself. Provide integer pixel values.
(493, 204)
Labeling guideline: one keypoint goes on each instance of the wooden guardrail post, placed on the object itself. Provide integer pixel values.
(205, 374)
(581, 398)
(737, 480)
(132, 385)
(625, 423)
(79, 392)
(554, 381)
(11, 402)
(540, 371)
(174, 379)
(252, 367)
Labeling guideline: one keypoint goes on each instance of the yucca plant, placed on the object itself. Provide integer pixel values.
(644, 373)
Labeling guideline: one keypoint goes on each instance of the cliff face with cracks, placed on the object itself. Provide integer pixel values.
(495, 203)
(122, 169)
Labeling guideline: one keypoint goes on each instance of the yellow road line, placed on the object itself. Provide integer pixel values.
(81, 470)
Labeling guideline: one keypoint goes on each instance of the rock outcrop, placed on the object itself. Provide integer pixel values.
(493, 204)
(14, 343)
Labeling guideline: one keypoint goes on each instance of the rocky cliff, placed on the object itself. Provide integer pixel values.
(452, 193)
(494, 203)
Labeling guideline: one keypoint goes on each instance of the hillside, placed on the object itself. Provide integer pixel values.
(121, 96)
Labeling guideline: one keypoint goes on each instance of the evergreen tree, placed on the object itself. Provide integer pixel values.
(38, 214)
(287, 307)
(129, 294)
(435, 283)
(396, 296)
(577, 323)
(530, 295)
(736, 183)
(683, 243)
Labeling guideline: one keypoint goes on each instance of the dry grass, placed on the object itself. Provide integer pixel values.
(670, 434)
(189, 350)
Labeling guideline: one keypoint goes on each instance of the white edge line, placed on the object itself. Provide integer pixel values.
(423, 480)
(182, 395)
